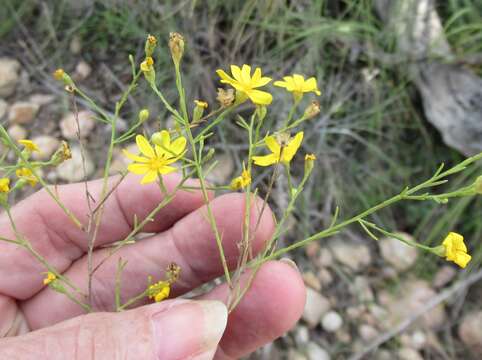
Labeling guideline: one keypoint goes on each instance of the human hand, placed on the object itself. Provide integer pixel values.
(43, 324)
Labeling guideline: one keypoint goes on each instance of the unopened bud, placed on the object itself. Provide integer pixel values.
(261, 112)
(151, 43)
(147, 67)
(61, 75)
(309, 163)
(62, 154)
(312, 110)
(143, 115)
(176, 45)
(199, 110)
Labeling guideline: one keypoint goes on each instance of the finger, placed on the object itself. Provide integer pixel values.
(272, 306)
(190, 243)
(172, 330)
(60, 242)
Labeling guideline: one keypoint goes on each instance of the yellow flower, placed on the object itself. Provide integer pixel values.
(246, 85)
(156, 159)
(201, 103)
(282, 150)
(297, 85)
(49, 278)
(159, 291)
(4, 185)
(147, 64)
(26, 174)
(242, 181)
(29, 145)
(455, 249)
(59, 74)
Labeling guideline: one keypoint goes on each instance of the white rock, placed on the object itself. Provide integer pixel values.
(41, 99)
(296, 355)
(316, 305)
(325, 258)
(223, 171)
(17, 132)
(360, 288)
(409, 354)
(69, 127)
(316, 352)
(311, 280)
(82, 70)
(367, 332)
(413, 294)
(47, 145)
(75, 45)
(3, 108)
(443, 276)
(331, 321)
(325, 277)
(302, 335)
(470, 332)
(22, 112)
(355, 255)
(398, 254)
(8, 76)
(73, 170)
(355, 312)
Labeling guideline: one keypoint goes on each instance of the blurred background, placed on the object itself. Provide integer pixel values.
(401, 93)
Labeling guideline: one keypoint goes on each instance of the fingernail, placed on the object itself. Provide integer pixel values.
(289, 262)
(189, 330)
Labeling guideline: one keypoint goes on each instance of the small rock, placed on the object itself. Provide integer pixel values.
(22, 112)
(47, 145)
(222, 172)
(17, 132)
(398, 254)
(3, 108)
(75, 45)
(367, 333)
(302, 335)
(296, 355)
(470, 332)
(42, 99)
(82, 70)
(316, 305)
(325, 258)
(69, 128)
(325, 277)
(355, 312)
(316, 352)
(361, 289)
(443, 276)
(8, 76)
(343, 336)
(409, 354)
(416, 340)
(311, 280)
(355, 255)
(312, 249)
(73, 170)
(382, 354)
(331, 321)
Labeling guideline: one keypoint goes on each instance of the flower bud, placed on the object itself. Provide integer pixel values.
(151, 43)
(309, 163)
(176, 45)
(4, 185)
(199, 110)
(261, 112)
(147, 67)
(143, 115)
(312, 110)
(62, 154)
(225, 97)
(61, 75)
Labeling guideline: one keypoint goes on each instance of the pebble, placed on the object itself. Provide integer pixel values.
(325, 277)
(223, 171)
(409, 354)
(75, 45)
(312, 249)
(444, 276)
(316, 352)
(47, 144)
(22, 112)
(41, 99)
(331, 321)
(72, 170)
(17, 132)
(69, 128)
(3, 108)
(9, 76)
(354, 255)
(315, 307)
(361, 289)
(367, 333)
(302, 335)
(311, 280)
(470, 332)
(82, 70)
(296, 355)
(398, 254)
(325, 258)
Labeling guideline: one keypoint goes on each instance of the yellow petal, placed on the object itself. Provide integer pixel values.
(144, 146)
(266, 160)
(310, 85)
(167, 169)
(256, 75)
(149, 177)
(222, 74)
(462, 259)
(246, 74)
(134, 157)
(236, 71)
(298, 81)
(138, 169)
(272, 144)
(165, 138)
(260, 97)
(178, 145)
(263, 81)
(290, 150)
(282, 84)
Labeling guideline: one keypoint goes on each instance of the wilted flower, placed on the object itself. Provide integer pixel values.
(176, 45)
(225, 97)
(455, 249)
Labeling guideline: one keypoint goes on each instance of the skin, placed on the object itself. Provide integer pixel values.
(37, 322)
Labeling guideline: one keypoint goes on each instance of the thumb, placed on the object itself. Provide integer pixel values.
(176, 329)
